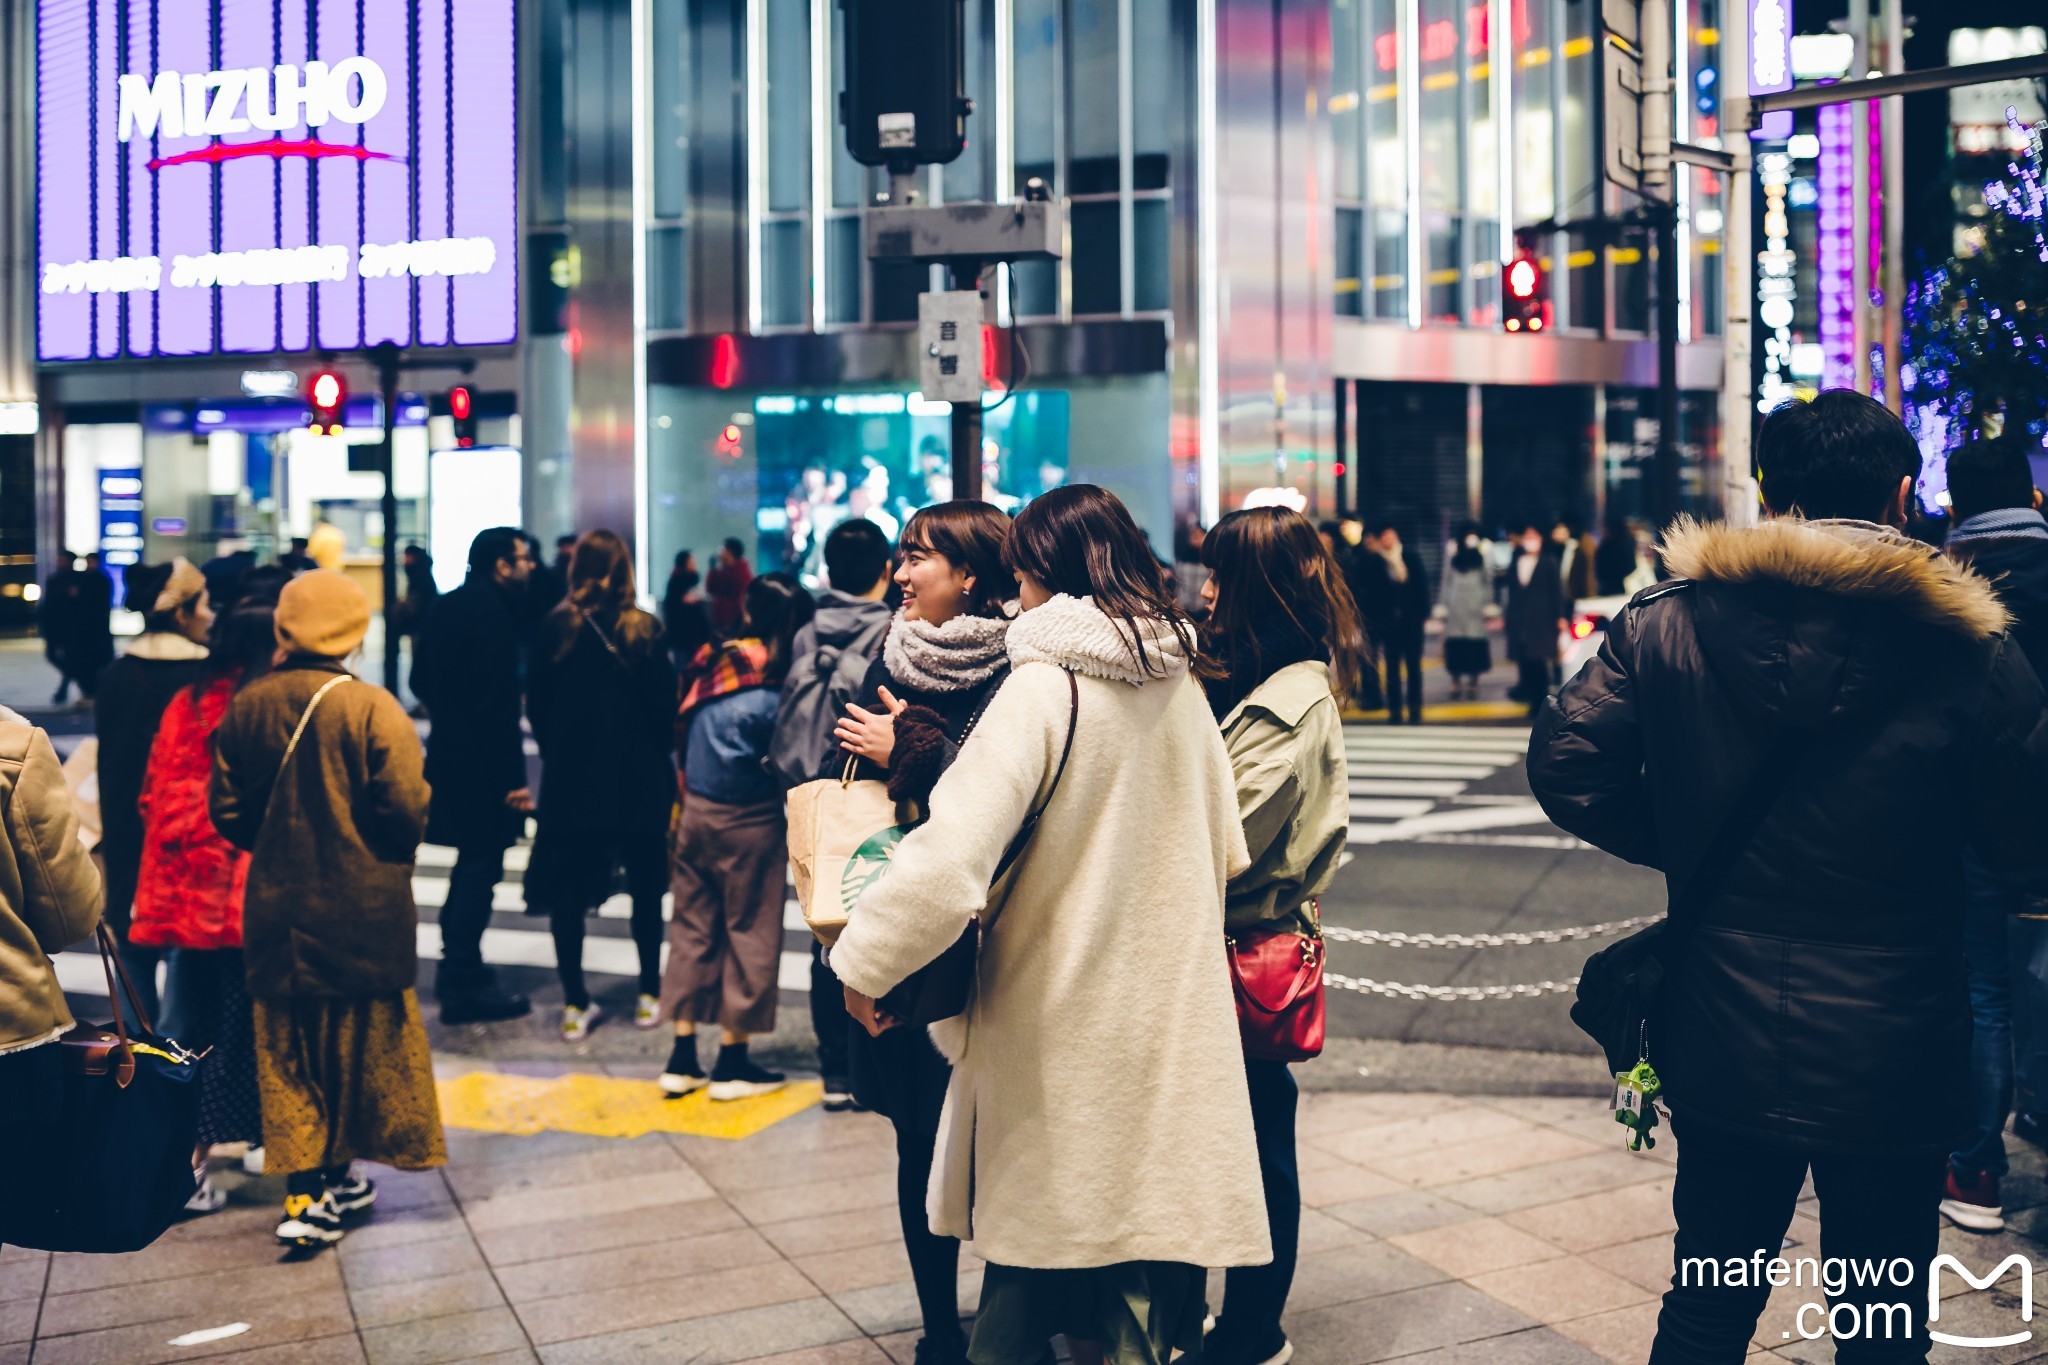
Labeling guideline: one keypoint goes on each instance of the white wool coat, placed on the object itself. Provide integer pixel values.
(1098, 1111)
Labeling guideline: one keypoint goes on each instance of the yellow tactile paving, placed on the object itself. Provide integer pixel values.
(608, 1106)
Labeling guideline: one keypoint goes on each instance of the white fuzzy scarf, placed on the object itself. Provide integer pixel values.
(952, 657)
(1075, 633)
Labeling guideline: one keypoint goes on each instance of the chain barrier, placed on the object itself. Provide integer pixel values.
(1393, 939)
(1395, 990)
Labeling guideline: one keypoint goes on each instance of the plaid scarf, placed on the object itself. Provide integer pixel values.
(719, 670)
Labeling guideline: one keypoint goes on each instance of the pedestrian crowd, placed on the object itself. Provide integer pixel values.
(1103, 797)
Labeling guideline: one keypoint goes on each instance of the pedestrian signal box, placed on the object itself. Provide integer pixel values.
(1525, 296)
(905, 101)
(462, 410)
(326, 394)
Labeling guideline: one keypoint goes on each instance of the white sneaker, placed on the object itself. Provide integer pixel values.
(208, 1198)
(577, 1023)
(252, 1160)
(647, 1011)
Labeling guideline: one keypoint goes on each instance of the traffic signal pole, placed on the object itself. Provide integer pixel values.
(1738, 288)
(385, 357)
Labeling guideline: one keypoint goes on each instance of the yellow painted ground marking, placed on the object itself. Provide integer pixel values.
(608, 1106)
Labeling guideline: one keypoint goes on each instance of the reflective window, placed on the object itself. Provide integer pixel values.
(1386, 163)
(1581, 185)
(1443, 47)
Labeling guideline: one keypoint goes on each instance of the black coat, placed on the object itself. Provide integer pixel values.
(2018, 567)
(466, 671)
(1823, 1002)
(127, 711)
(1392, 611)
(1534, 609)
(603, 721)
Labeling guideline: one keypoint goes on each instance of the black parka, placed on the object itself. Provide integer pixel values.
(466, 669)
(1823, 1002)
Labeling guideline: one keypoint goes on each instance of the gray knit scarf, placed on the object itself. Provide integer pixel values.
(962, 653)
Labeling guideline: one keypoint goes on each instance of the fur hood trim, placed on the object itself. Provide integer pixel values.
(1074, 633)
(1851, 559)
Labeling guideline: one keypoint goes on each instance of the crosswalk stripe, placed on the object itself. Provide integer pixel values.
(1405, 786)
(1450, 822)
(437, 856)
(1470, 771)
(1388, 810)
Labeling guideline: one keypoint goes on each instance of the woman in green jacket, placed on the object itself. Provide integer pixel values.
(1285, 627)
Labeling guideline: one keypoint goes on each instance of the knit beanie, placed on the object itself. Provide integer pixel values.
(322, 612)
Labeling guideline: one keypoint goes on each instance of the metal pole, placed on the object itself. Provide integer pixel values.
(1738, 288)
(1894, 167)
(967, 416)
(1343, 423)
(1665, 502)
(1859, 197)
(386, 358)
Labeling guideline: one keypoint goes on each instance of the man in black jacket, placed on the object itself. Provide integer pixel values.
(2001, 535)
(467, 674)
(1394, 597)
(1817, 1015)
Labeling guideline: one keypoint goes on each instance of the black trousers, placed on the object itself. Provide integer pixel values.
(464, 917)
(1255, 1295)
(1734, 1200)
(31, 1125)
(1403, 652)
(901, 1076)
(829, 1019)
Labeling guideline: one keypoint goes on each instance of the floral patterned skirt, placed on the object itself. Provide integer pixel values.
(346, 1078)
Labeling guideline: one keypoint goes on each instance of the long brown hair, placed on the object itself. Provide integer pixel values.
(971, 536)
(1080, 540)
(601, 587)
(1272, 569)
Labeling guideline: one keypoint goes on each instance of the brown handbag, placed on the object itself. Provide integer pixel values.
(95, 1050)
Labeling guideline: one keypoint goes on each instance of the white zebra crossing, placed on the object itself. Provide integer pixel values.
(1405, 782)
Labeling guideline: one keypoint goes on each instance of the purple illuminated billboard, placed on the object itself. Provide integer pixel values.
(255, 176)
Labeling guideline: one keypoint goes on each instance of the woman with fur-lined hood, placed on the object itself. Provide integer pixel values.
(1096, 1148)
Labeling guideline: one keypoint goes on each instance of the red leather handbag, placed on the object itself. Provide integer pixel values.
(1278, 977)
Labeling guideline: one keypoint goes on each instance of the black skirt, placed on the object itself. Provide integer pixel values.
(1468, 658)
(576, 867)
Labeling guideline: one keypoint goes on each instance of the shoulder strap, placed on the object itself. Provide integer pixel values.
(1030, 826)
(291, 745)
(602, 638)
(1738, 826)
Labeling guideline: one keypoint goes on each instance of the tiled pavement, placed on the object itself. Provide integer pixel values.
(1509, 1231)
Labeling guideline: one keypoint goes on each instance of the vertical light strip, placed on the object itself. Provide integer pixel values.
(821, 153)
(1208, 274)
(641, 135)
(1410, 101)
(1501, 64)
(756, 96)
(1682, 172)
(1005, 139)
(1126, 136)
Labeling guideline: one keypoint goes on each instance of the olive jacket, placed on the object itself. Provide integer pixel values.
(50, 892)
(328, 910)
(1286, 744)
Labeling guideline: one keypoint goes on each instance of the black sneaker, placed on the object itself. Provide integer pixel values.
(736, 1076)
(310, 1223)
(930, 1352)
(483, 1007)
(352, 1193)
(683, 1073)
(838, 1095)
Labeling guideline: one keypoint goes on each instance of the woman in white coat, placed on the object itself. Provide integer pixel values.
(1097, 1147)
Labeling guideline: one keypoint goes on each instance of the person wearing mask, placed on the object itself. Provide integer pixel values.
(318, 776)
(50, 896)
(466, 672)
(828, 663)
(601, 697)
(1817, 717)
(2000, 533)
(731, 863)
(684, 618)
(1575, 554)
(1616, 558)
(1097, 1148)
(188, 893)
(1285, 632)
(727, 585)
(1467, 593)
(169, 655)
(1396, 608)
(941, 665)
(1535, 616)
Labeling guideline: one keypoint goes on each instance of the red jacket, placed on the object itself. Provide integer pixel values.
(189, 890)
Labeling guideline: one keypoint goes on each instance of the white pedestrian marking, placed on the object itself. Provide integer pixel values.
(1468, 771)
(1388, 810)
(1451, 821)
(1399, 786)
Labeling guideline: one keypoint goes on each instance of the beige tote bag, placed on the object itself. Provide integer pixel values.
(842, 834)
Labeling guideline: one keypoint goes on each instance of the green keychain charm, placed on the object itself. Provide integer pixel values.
(1635, 1091)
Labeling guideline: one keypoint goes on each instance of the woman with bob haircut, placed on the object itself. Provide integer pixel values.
(1097, 1146)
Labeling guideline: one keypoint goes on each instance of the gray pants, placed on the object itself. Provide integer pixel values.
(725, 936)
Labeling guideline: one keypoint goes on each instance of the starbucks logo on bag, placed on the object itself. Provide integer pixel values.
(867, 864)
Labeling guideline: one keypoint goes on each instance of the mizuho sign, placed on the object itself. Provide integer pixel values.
(219, 103)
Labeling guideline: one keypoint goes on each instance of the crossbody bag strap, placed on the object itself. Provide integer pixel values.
(1744, 818)
(602, 638)
(1030, 826)
(298, 732)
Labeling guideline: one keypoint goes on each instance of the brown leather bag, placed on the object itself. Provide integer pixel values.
(92, 1050)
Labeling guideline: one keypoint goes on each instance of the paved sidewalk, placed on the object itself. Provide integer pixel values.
(1510, 1231)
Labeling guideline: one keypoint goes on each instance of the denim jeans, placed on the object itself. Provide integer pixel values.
(2008, 964)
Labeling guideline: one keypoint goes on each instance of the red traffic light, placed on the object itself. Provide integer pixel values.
(731, 434)
(1523, 277)
(328, 392)
(458, 402)
(462, 410)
